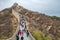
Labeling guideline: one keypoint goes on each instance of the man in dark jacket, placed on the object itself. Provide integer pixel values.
(27, 33)
(22, 38)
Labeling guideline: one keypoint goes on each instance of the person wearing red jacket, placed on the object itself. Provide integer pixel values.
(19, 32)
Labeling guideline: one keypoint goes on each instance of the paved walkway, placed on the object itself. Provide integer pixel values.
(21, 26)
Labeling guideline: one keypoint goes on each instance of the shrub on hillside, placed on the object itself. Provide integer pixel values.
(38, 35)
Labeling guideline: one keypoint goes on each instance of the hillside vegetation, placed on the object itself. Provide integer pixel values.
(56, 18)
(8, 23)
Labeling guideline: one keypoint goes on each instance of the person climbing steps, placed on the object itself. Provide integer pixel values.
(27, 33)
(17, 37)
(22, 38)
(19, 32)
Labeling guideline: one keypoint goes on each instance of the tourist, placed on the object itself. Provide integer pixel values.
(22, 38)
(27, 33)
(17, 37)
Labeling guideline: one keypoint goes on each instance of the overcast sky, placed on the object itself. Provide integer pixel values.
(49, 7)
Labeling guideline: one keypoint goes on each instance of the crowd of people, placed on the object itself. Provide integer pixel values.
(21, 34)
(24, 30)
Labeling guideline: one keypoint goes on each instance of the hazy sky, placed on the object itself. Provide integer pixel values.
(49, 7)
